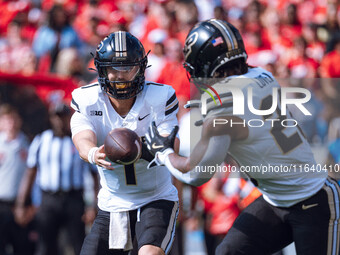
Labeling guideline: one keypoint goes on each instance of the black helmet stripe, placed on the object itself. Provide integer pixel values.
(232, 35)
(227, 34)
(224, 33)
(117, 45)
(123, 36)
(120, 44)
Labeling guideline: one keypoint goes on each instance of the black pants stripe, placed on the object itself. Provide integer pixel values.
(312, 224)
(169, 237)
(333, 193)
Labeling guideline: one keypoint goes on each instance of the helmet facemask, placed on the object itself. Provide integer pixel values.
(200, 78)
(127, 79)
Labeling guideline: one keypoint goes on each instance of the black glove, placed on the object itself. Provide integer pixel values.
(146, 154)
(157, 143)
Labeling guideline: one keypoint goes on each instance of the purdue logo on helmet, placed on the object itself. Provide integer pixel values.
(121, 52)
(211, 44)
(189, 42)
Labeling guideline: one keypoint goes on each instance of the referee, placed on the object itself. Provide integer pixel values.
(53, 158)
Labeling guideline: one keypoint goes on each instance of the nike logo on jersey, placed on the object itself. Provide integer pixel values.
(139, 118)
(96, 113)
(305, 207)
(154, 146)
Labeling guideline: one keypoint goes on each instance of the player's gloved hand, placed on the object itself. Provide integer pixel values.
(146, 154)
(158, 145)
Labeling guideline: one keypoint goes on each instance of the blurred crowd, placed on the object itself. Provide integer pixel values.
(293, 39)
(298, 41)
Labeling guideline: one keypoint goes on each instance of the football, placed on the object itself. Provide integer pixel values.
(123, 146)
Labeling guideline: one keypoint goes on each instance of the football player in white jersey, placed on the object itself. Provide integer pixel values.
(131, 195)
(297, 205)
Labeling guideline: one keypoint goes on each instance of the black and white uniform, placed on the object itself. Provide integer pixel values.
(131, 188)
(60, 177)
(301, 206)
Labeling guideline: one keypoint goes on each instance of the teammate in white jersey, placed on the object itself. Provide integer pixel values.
(300, 206)
(130, 195)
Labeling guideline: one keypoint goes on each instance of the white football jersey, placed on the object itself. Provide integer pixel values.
(128, 187)
(13, 155)
(279, 158)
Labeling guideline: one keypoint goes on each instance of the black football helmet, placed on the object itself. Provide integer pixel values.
(122, 54)
(209, 45)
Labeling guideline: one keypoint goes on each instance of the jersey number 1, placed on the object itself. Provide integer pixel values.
(130, 174)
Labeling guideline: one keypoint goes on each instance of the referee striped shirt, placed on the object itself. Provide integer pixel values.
(59, 166)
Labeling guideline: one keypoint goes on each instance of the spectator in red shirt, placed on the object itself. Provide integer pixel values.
(252, 16)
(300, 64)
(186, 14)
(159, 20)
(330, 68)
(272, 34)
(173, 73)
(291, 27)
(91, 22)
(156, 60)
(314, 49)
(16, 55)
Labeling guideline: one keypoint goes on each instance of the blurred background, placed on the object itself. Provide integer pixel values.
(45, 53)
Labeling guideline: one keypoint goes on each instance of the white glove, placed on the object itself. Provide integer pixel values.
(160, 157)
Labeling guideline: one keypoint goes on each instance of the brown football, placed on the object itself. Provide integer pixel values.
(123, 146)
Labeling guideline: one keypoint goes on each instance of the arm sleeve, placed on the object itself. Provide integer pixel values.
(80, 122)
(170, 113)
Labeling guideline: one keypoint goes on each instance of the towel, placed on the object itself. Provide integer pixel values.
(120, 232)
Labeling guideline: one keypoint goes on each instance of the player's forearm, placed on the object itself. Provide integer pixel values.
(84, 147)
(84, 142)
(192, 170)
(180, 163)
(190, 177)
(185, 164)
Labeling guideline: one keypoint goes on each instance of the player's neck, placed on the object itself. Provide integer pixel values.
(122, 106)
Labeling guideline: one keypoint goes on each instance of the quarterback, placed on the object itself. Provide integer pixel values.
(299, 206)
(130, 195)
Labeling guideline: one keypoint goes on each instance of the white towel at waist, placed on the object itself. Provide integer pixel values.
(120, 232)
